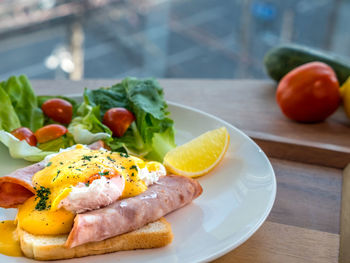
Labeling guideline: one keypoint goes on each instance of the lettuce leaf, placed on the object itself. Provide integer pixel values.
(8, 117)
(24, 102)
(86, 128)
(21, 149)
(20, 107)
(152, 134)
(55, 145)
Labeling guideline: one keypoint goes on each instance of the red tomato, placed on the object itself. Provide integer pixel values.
(118, 120)
(24, 133)
(50, 132)
(59, 110)
(309, 93)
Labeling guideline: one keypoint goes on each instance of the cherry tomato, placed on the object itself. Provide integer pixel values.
(50, 132)
(59, 110)
(118, 120)
(309, 93)
(26, 134)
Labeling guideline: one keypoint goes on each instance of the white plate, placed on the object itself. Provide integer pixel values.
(237, 197)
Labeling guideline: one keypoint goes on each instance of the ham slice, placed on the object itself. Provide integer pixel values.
(98, 145)
(17, 187)
(168, 194)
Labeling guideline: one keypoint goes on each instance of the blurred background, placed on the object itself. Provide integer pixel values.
(63, 39)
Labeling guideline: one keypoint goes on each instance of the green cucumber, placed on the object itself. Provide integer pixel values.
(282, 59)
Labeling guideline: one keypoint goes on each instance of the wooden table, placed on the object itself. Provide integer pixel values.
(303, 225)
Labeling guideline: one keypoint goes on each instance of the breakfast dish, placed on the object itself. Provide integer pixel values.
(89, 196)
(83, 196)
(87, 200)
(243, 184)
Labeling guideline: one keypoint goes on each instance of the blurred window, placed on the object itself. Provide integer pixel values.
(172, 39)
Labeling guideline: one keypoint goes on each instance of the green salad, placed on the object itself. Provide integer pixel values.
(131, 116)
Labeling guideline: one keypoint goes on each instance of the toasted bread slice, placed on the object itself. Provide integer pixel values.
(156, 234)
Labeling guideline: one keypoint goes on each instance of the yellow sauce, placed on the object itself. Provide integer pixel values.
(9, 243)
(78, 165)
(45, 222)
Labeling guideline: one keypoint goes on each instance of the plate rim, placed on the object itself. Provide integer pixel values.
(256, 227)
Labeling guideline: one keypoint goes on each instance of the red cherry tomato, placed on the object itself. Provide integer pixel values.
(309, 93)
(50, 132)
(118, 120)
(59, 110)
(26, 134)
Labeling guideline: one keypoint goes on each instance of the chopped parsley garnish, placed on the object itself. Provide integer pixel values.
(58, 172)
(124, 154)
(87, 157)
(110, 158)
(43, 195)
(87, 184)
(77, 169)
(133, 167)
(61, 163)
(48, 164)
(104, 173)
(132, 174)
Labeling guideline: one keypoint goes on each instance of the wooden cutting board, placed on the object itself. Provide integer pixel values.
(303, 225)
(308, 160)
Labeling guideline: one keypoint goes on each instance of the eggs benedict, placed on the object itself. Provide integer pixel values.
(79, 180)
(91, 200)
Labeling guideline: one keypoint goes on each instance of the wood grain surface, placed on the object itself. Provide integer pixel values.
(303, 225)
(344, 253)
(285, 244)
(308, 196)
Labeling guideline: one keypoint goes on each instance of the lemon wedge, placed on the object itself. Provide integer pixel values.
(200, 155)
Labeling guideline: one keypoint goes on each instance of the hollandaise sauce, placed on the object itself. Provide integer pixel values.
(9, 243)
(81, 165)
(44, 222)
